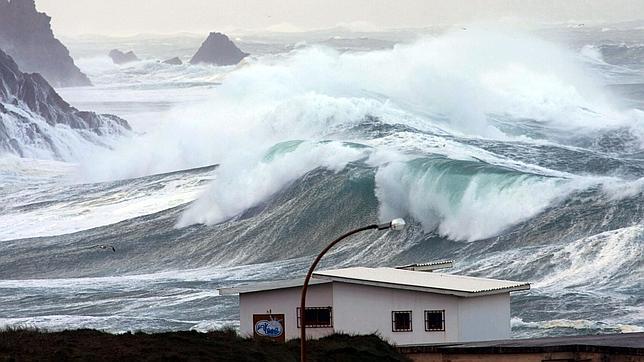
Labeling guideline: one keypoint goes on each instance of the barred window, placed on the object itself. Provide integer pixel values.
(434, 320)
(316, 317)
(401, 321)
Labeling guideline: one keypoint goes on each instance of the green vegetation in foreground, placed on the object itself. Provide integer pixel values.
(223, 345)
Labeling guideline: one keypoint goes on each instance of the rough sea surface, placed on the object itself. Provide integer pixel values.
(519, 156)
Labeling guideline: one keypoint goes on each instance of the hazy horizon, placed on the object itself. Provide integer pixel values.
(78, 17)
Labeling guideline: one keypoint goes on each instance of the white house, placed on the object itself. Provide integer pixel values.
(406, 305)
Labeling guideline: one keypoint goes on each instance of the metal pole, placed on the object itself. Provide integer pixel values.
(308, 278)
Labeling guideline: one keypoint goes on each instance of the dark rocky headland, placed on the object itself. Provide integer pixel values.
(218, 49)
(24, 96)
(26, 35)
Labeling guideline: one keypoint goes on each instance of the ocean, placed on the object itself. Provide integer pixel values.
(519, 155)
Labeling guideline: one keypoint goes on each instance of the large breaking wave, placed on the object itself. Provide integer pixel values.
(503, 151)
(529, 91)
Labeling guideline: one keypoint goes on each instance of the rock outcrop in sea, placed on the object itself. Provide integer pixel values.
(173, 61)
(119, 57)
(37, 122)
(218, 49)
(26, 35)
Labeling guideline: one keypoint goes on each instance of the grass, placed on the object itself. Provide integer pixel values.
(222, 345)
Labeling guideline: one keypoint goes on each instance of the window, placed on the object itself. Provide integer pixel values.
(401, 321)
(316, 317)
(434, 320)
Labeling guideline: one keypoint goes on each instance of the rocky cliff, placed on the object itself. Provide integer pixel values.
(37, 122)
(26, 35)
(218, 50)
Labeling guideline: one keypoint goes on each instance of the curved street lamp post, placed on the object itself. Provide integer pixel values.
(396, 224)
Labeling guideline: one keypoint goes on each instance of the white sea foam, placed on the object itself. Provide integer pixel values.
(462, 203)
(97, 208)
(244, 183)
(113, 324)
(152, 302)
(97, 65)
(211, 325)
(150, 72)
(577, 324)
(621, 189)
(40, 197)
(593, 53)
(261, 271)
(594, 261)
(54, 142)
(270, 122)
(443, 85)
(588, 263)
(16, 170)
(447, 82)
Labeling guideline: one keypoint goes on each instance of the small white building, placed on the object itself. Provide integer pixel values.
(406, 305)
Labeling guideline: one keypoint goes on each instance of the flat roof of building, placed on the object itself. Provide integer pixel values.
(628, 343)
(440, 283)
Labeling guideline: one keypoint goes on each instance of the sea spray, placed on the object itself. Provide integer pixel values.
(446, 83)
(243, 184)
(464, 200)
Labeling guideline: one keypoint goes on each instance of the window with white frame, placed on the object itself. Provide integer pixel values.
(434, 320)
(401, 321)
(316, 317)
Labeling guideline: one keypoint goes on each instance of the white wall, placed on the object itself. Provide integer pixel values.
(485, 318)
(285, 301)
(366, 309)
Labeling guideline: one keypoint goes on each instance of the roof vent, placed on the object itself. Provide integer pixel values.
(428, 267)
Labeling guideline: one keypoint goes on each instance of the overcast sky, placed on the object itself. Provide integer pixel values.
(123, 17)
